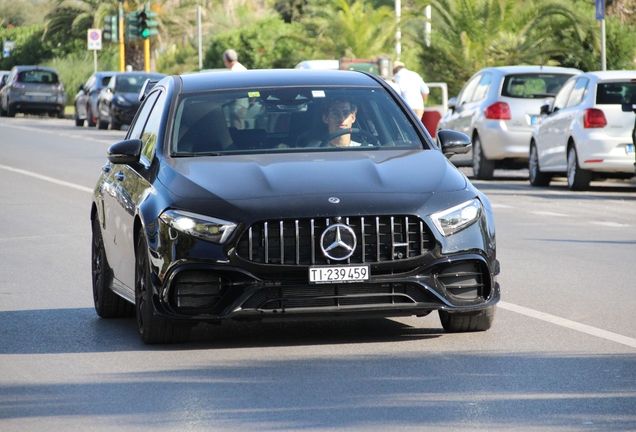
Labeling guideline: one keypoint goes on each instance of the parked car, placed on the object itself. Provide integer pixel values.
(118, 102)
(497, 108)
(86, 98)
(585, 132)
(199, 218)
(3, 78)
(32, 90)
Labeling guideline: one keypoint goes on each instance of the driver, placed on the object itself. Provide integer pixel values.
(339, 116)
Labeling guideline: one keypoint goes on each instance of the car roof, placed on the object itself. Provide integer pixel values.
(275, 78)
(34, 67)
(611, 75)
(506, 70)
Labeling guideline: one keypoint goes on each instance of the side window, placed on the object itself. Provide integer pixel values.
(89, 84)
(467, 92)
(577, 95)
(151, 131)
(137, 127)
(562, 97)
(482, 89)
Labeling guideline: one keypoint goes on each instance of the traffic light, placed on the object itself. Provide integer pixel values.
(132, 26)
(110, 32)
(147, 23)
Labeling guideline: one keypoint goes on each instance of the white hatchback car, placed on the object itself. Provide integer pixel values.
(585, 133)
(498, 108)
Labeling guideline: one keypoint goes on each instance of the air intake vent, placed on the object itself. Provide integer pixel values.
(198, 289)
(463, 280)
(297, 241)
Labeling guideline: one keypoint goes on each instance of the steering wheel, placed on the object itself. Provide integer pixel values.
(372, 138)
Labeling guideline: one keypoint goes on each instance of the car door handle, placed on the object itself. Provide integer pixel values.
(119, 176)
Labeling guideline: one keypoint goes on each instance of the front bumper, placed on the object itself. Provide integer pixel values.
(196, 292)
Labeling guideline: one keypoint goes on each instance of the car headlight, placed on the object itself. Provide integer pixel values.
(457, 218)
(204, 227)
(122, 101)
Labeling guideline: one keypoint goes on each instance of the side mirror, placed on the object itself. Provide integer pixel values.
(452, 103)
(545, 109)
(80, 87)
(125, 152)
(452, 142)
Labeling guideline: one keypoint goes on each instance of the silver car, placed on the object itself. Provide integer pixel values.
(586, 132)
(498, 108)
(33, 90)
(86, 98)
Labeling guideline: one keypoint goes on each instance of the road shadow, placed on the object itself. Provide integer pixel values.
(58, 331)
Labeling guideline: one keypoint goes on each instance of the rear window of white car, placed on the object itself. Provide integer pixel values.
(616, 93)
(533, 86)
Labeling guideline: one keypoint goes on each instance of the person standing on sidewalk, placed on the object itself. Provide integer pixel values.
(230, 58)
(413, 89)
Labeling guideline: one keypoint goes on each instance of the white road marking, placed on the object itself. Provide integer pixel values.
(572, 325)
(45, 178)
(53, 132)
(547, 213)
(500, 206)
(610, 224)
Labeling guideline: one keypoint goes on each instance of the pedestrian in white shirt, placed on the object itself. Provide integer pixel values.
(230, 58)
(413, 89)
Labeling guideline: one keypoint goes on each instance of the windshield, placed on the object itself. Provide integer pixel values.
(290, 119)
(130, 83)
(533, 86)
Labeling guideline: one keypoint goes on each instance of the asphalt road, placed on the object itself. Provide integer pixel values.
(561, 355)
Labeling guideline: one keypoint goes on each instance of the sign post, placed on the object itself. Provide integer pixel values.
(600, 16)
(94, 44)
(6, 48)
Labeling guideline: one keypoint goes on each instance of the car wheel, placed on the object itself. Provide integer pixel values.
(483, 168)
(60, 114)
(578, 178)
(101, 124)
(3, 112)
(115, 125)
(152, 330)
(107, 303)
(537, 177)
(79, 122)
(459, 322)
(10, 111)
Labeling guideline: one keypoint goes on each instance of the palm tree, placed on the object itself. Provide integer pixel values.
(472, 34)
(355, 29)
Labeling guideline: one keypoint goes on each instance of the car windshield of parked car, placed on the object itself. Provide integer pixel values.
(533, 86)
(129, 84)
(290, 119)
(37, 77)
(616, 93)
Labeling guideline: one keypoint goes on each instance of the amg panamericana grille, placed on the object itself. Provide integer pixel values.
(297, 241)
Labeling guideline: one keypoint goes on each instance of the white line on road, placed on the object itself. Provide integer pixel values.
(45, 178)
(573, 325)
(547, 213)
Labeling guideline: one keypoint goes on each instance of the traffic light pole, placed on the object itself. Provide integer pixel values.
(122, 48)
(147, 55)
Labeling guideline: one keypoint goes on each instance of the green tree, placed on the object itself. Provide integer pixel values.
(469, 35)
(257, 49)
(356, 29)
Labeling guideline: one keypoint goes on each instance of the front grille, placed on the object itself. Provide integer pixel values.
(336, 296)
(297, 241)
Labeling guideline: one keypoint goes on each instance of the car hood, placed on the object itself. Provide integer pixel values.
(301, 184)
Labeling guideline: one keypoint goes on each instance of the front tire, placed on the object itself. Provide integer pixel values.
(152, 330)
(79, 122)
(460, 322)
(483, 168)
(107, 303)
(578, 178)
(537, 177)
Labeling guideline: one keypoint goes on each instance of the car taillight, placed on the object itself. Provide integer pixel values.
(18, 85)
(498, 111)
(59, 87)
(594, 118)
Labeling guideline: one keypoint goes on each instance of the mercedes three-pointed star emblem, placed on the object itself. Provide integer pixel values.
(338, 242)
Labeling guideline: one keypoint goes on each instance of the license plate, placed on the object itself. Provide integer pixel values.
(358, 273)
(630, 148)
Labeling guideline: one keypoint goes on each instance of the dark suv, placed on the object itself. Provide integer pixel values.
(33, 89)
